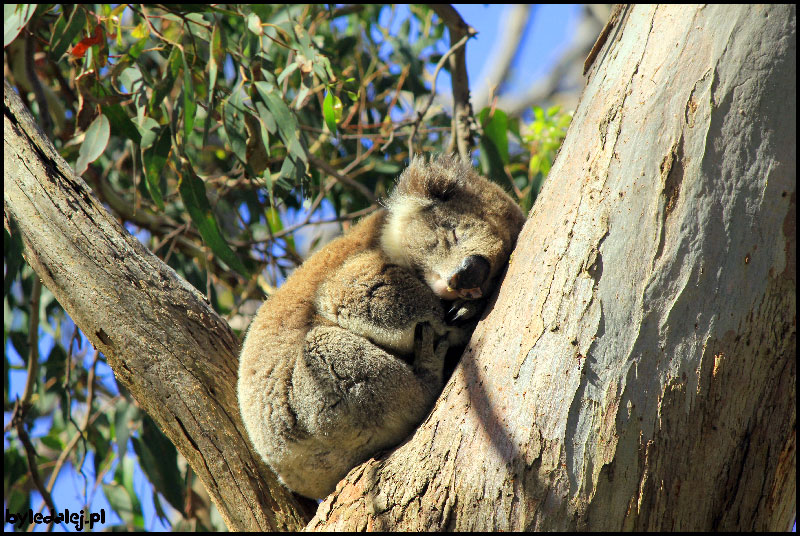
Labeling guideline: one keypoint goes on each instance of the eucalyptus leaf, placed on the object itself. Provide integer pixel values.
(94, 143)
(15, 17)
(193, 193)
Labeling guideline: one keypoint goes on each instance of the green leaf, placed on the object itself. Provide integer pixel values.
(56, 364)
(233, 121)
(136, 49)
(123, 413)
(61, 40)
(52, 441)
(267, 119)
(189, 104)
(533, 193)
(19, 339)
(292, 67)
(535, 165)
(159, 461)
(124, 473)
(14, 467)
(285, 119)
(159, 509)
(101, 446)
(193, 193)
(216, 58)
(155, 160)
(330, 106)
(19, 500)
(121, 124)
(254, 24)
(119, 500)
(149, 129)
(94, 143)
(295, 164)
(496, 129)
(164, 86)
(15, 17)
(12, 254)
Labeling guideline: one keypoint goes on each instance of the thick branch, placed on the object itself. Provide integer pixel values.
(166, 345)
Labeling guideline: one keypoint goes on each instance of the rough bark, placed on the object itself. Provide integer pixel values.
(166, 345)
(637, 370)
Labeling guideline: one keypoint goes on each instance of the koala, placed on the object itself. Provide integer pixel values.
(347, 357)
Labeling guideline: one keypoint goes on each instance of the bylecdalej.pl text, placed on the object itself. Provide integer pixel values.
(77, 519)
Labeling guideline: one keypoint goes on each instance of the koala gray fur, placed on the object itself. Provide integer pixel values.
(347, 357)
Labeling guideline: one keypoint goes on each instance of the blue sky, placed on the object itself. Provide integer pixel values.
(544, 40)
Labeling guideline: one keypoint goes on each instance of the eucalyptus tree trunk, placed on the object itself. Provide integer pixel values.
(637, 370)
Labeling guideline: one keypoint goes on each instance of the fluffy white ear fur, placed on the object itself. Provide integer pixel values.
(401, 210)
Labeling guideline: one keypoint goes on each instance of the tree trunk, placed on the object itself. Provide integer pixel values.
(166, 345)
(637, 370)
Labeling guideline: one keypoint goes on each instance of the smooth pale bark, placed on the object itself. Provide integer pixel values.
(637, 370)
(166, 345)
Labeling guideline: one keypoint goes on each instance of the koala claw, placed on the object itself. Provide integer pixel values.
(462, 310)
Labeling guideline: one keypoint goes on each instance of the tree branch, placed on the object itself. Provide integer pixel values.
(175, 355)
(565, 70)
(511, 30)
(462, 109)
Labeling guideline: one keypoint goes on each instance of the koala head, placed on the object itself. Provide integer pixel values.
(451, 225)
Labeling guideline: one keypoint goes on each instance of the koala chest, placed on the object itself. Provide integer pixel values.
(378, 300)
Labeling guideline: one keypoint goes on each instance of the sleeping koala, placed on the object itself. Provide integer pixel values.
(346, 358)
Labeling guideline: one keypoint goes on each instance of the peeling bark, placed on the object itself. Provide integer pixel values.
(638, 369)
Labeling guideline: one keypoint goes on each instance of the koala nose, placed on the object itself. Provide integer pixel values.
(471, 274)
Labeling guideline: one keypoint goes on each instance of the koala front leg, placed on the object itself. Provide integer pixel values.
(344, 382)
(380, 301)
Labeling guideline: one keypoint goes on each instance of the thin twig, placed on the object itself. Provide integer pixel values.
(327, 168)
(462, 110)
(33, 347)
(30, 452)
(346, 217)
(461, 42)
(83, 427)
(23, 404)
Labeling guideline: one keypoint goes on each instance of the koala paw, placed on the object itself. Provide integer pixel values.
(462, 310)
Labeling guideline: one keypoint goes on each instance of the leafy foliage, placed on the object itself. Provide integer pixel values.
(231, 141)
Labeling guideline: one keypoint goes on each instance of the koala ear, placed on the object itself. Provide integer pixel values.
(437, 180)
